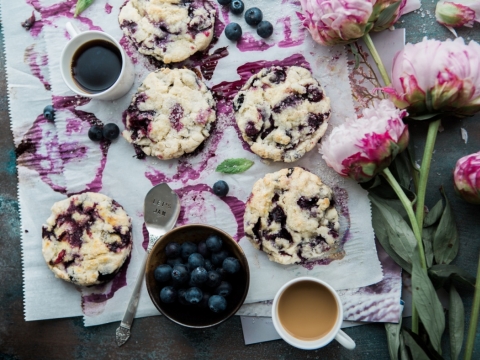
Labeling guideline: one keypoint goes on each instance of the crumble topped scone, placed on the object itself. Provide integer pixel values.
(168, 30)
(87, 239)
(290, 215)
(171, 114)
(282, 112)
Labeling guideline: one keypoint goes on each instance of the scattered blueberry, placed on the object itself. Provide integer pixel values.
(220, 188)
(253, 16)
(214, 243)
(181, 296)
(168, 294)
(203, 250)
(198, 276)
(49, 113)
(237, 6)
(111, 131)
(208, 265)
(95, 133)
(180, 274)
(217, 303)
(264, 29)
(163, 273)
(213, 279)
(174, 261)
(173, 250)
(224, 289)
(233, 31)
(224, 2)
(231, 265)
(194, 295)
(218, 257)
(188, 248)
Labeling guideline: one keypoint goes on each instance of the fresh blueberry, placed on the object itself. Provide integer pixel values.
(204, 302)
(217, 303)
(49, 113)
(195, 260)
(95, 133)
(188, 248)
(231, 265)
(253, 16)
(218, 257)
(163, 273)
(181, 296)
(224, 289)
(173, 250)
(213, 279)
(221, 271)
(168, 295)
(194, 295)
(224, 2)
(198, 276)
(203, 250)
(214, 243)
(237, 6)
(233, 31)
(111, 131)
(220, 188)
(264, 29)
(208, 265)
(180, 274)
(174, 261)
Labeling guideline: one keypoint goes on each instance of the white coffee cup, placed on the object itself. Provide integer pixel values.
(334, 333)
(78, 38)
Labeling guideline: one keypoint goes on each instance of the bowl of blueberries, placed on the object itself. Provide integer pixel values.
(197, 276)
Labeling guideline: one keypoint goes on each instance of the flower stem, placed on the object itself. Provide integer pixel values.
(373, 51)
(425, 170)
(472, 329)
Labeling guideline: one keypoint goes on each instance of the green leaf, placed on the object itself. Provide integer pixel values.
(434, 214)
(356, 55)
(82, 5)
(427, 237)
(400, 168)
(445, 242)
(456, 322)
(425, 117)
(387, 14)
(415, 341)
(234, 166)
(393, 338)
(415, 349)
(403, 349)
(426, 301)
(441, 273)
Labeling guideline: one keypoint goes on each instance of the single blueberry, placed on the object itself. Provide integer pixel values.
(194, 295)
(231, 265)
(224, 289)
(49, 113)
(203, 250)
(224, 2)
(204, 302)
(173, 250)
(218, 257)
(213, 279)
(188, 248)
(221, 271)
(168, 295)
(181, 296)
(111, 131)
(163, 273)
(198, 276)
(208, 265)
(214, 243)
(180, 274)
(233, 31)
(195, 260)
(237, 6)
(264, 29)
(220, 188)
(174, 261)
(253, 16)
(95, 133)
(217, 303)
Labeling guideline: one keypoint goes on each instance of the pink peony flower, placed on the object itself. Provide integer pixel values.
(466, 178)
(360, 149)
(457, 13)
(433, 77)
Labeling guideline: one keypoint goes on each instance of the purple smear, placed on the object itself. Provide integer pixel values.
(28, 23)
(108, 8)
(248, 43)
(146, 237)
(287, 32)
(129, 49)
(36, 62)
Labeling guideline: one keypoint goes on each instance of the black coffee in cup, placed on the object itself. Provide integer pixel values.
(96, 66)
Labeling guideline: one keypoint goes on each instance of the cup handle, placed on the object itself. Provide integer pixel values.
(72, 29)
(345, 340)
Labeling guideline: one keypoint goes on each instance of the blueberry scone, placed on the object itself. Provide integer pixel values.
(87, 239)
(171, 114)
(282, 112)
(290, 215)
(168, 30)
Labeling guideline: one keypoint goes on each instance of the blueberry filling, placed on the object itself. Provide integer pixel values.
(289, 101)
(278, 76)
(315, 120)
(239, 102)
(314, 94)
(130, 25)
(305, 203)
(105, 277)
(256, 232)
(332, 230)
(251, 130)
(290, 172)
(275, 198)
(176, 115)
(277, 215)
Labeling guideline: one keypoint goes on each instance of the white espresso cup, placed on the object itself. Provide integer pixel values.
(302, 286)
(125, 79)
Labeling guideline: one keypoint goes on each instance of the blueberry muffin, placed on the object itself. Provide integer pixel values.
(168, 30)
(282, 112)
(171, 114)
(87, 239)
(290, 215)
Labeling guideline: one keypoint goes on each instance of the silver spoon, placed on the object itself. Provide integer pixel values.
(161, 209)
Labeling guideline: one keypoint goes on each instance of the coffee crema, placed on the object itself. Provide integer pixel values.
(96, 65)
(307, 310)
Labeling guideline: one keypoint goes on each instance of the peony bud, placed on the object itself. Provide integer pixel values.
(458, 13)
(466, 178)
(360, 149)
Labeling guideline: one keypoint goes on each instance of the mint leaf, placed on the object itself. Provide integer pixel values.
(81, 6)
(234, 166)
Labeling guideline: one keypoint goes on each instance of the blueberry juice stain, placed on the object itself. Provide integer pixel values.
(96, 66)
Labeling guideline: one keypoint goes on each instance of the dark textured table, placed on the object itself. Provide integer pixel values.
(158, 338)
